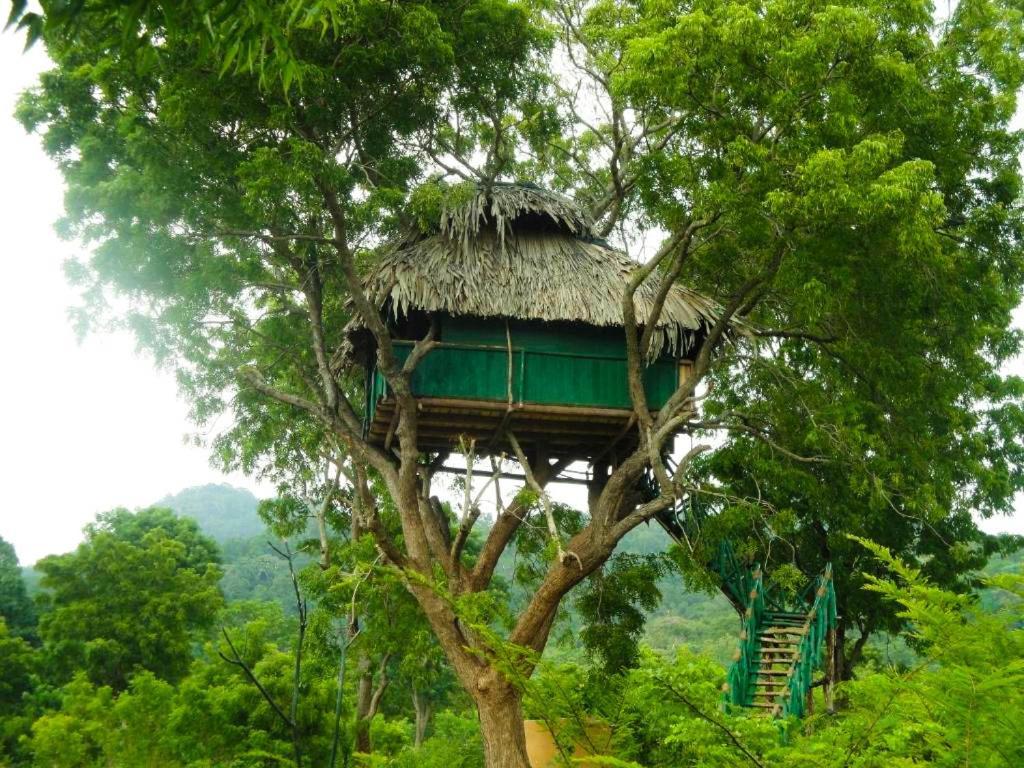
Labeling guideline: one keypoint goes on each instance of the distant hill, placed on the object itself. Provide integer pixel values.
(224, 513)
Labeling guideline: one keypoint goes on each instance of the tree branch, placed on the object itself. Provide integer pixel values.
(713, 721)
(238, 662)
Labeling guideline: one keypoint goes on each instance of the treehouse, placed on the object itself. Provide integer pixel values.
(526, 303)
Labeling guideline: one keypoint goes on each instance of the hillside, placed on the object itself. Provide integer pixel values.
(224, 513)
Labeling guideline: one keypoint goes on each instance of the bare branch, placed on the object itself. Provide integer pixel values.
(237, 661)
(713, 721)
(549, 514)
(471, 508)
(504, 528)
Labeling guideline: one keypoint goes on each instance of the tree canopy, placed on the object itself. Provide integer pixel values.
(841, 177)
(16, 607)
(129, 597)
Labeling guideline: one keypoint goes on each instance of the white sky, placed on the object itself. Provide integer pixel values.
(91, 426)
(84, 427)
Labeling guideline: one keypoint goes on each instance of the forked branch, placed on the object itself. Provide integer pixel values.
(545, 501)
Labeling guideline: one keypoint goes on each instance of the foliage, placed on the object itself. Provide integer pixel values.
(16, 608)
(854, 165)
(612, 604)
(455, 744)
(840, 175)
(959, 704)
(253, 572)
(17, 667)
(129, 597)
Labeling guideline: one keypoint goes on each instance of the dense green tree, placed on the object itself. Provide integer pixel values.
(129, 597)
(18, 663)
(851, 167)
(841, 176)
(16, 607)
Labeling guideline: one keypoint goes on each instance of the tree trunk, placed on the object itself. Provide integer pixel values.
(830, 673)
(364, 696)
(421, 705)
(840, 641)
(501, 726)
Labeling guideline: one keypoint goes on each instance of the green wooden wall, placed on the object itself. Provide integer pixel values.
(552, 364)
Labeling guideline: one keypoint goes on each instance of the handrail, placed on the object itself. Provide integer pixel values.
(749, 591)
(821, 619)
(738, 688)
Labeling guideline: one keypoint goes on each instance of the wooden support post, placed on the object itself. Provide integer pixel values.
(830, 671)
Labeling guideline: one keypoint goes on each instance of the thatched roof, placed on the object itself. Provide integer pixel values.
(526, 253)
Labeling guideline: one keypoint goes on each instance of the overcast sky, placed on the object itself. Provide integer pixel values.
(85, 426)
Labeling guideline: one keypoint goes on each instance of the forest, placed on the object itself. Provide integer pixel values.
(632, 374)
(179, 649)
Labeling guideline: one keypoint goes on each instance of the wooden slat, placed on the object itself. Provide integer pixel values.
(567, 431)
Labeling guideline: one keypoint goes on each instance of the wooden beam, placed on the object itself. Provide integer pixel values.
(511, 476)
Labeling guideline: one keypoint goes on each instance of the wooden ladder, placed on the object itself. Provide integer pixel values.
(779, 641)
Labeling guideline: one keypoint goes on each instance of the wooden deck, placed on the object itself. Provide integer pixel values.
(579, 432)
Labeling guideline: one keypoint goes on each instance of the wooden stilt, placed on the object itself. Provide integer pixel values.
(830, 672)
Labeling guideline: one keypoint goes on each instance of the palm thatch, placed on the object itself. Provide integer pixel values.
(521, 252)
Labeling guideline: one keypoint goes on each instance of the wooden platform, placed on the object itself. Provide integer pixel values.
(580, 432)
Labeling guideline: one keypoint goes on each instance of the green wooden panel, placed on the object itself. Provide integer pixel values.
(481, 373)
(660, 381)
(569, 338)
(535, 335)
(467, 372)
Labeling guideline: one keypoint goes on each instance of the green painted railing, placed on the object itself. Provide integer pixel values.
(524, 374)
(818, 605)
(757, 599)
(821, 619)
(739, 687)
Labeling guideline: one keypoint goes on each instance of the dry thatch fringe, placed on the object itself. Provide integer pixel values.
(501, 204)
(531, 276)
(487, 260)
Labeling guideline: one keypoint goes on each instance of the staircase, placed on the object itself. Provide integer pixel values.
(780, 647)
(784, 638)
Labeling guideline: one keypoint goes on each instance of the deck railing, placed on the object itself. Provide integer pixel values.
(821, 619)
(738, 688)
(526, 375)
